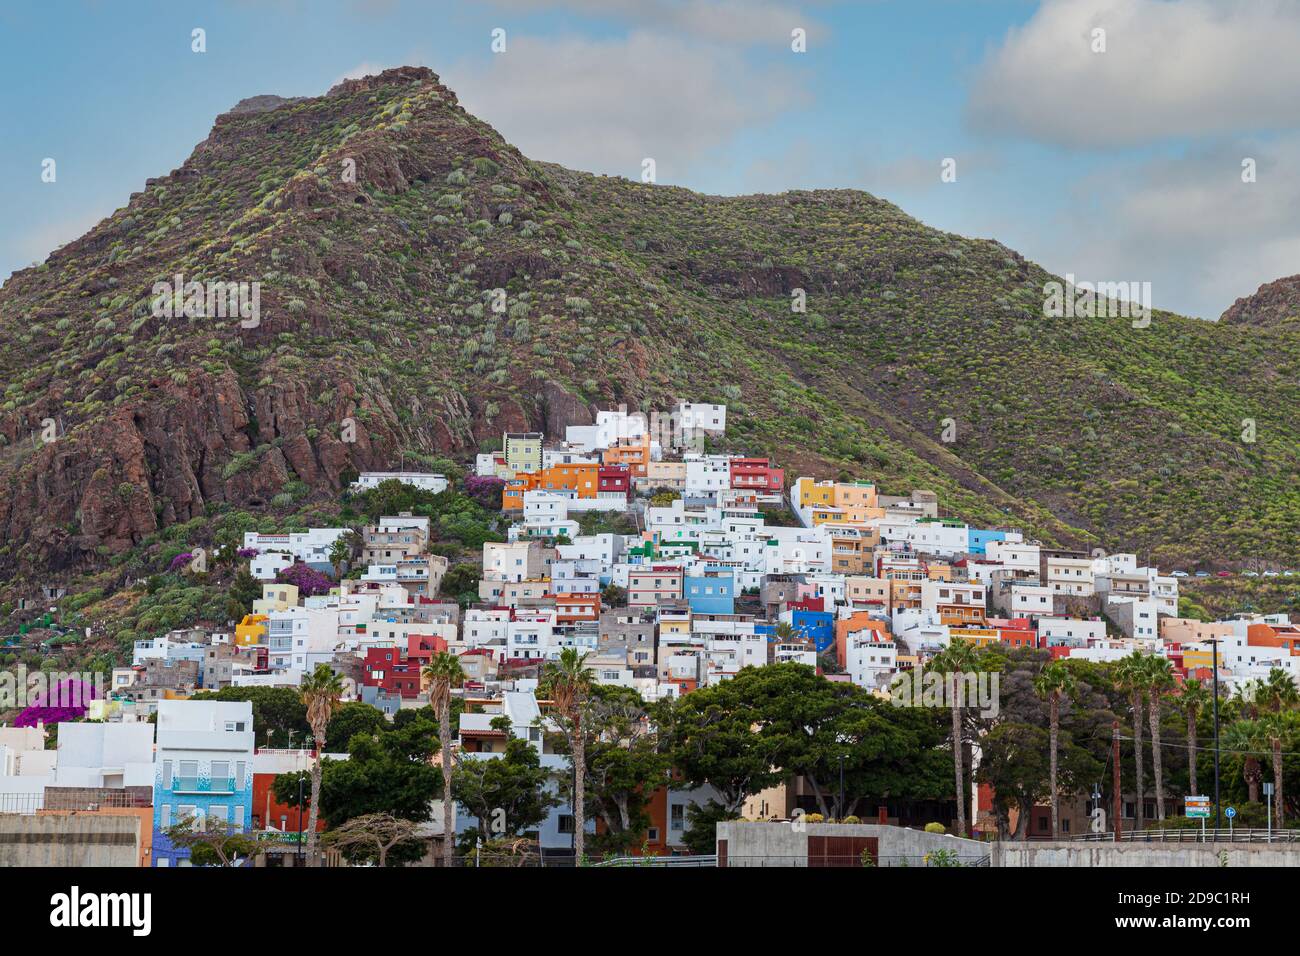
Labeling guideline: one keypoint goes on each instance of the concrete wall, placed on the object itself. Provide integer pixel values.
(1144, 854)
(779, 844)
(73, 839)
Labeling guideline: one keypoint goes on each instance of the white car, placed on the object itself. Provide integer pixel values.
(1179, 574)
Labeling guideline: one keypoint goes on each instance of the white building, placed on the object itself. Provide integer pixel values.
(110, 756)
(420, 479)
(309, 547)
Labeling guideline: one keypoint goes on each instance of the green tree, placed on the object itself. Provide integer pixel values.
(444, 673)
(1159, 679)
(1192, 700)
(1131, 675)
(567, 682)
(1054, 684)
(505, 794)
(956, 660)
(322, 694)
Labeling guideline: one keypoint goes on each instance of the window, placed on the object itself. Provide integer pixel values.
(167, 774)
(189, 775)
(165, 816)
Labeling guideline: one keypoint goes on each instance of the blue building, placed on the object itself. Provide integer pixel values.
(713, 592)
(203, 769)
(818, 625)
(979, 539)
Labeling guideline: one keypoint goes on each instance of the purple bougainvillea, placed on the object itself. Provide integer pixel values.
(485, 490)
(247, 553)
(181, 561)
(65, 701)
(309, 581)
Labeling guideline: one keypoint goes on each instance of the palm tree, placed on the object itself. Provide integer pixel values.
(568, 683)
(1275, 727)
(958, 658)
(1278, 691)
(443, 672)
(1054, 682)
(322, 692)
(1159, 678)
(1130, 675)
(1247, 739)
(1192, 700)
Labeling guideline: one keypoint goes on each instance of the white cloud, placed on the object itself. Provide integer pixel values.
(1188, 225)
(1171, 68)
(723, 21)
(604, 105)
(365, 68)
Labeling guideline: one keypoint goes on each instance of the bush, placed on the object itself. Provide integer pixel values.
(850, 819)
(935, 828)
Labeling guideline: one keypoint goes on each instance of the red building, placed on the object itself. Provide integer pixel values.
(756, 474)
(615, 478)
(269, 813)
(1014, 631)
(394, 670)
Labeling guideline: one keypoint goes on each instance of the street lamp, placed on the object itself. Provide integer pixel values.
(299, 852)
(1214, 645)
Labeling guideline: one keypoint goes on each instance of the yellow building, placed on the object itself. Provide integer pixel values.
(276, 597)
(851, 502)
(251, 630)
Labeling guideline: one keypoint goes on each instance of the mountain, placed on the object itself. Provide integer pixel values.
(378, 313)
(1273, 303)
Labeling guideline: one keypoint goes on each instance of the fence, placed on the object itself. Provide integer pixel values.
(1190, 835)
(72, 798)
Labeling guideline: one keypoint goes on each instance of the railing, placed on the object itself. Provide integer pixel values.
(935, 860)
(1190, 835)
(660, 861)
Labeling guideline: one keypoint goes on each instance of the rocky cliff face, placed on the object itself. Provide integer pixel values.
(1272, 303)
(425, 287)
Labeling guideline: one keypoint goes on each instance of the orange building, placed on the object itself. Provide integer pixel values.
(633, 452)
(856, 623)
(577, 608)
(582, 479)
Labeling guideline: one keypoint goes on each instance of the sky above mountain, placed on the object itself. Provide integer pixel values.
(1123, 163)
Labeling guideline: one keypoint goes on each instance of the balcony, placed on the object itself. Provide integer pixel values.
(203, 785)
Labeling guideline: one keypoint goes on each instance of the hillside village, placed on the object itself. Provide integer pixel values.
(660, 569)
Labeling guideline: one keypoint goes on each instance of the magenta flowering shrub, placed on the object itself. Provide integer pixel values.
(65, 701)
(181, 561)
(485, 490)
(309, 581)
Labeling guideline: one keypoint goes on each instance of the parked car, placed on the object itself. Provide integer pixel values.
(1202, 574)
(1225, 574)
(1180, 574)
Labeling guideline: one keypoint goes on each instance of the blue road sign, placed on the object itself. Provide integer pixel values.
(1230, 812)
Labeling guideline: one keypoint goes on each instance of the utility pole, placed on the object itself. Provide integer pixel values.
(1119, 798)
(300, 821)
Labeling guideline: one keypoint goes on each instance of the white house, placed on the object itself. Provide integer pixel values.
(420, 479)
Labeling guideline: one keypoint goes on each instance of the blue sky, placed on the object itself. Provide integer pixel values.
(1118, 164)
